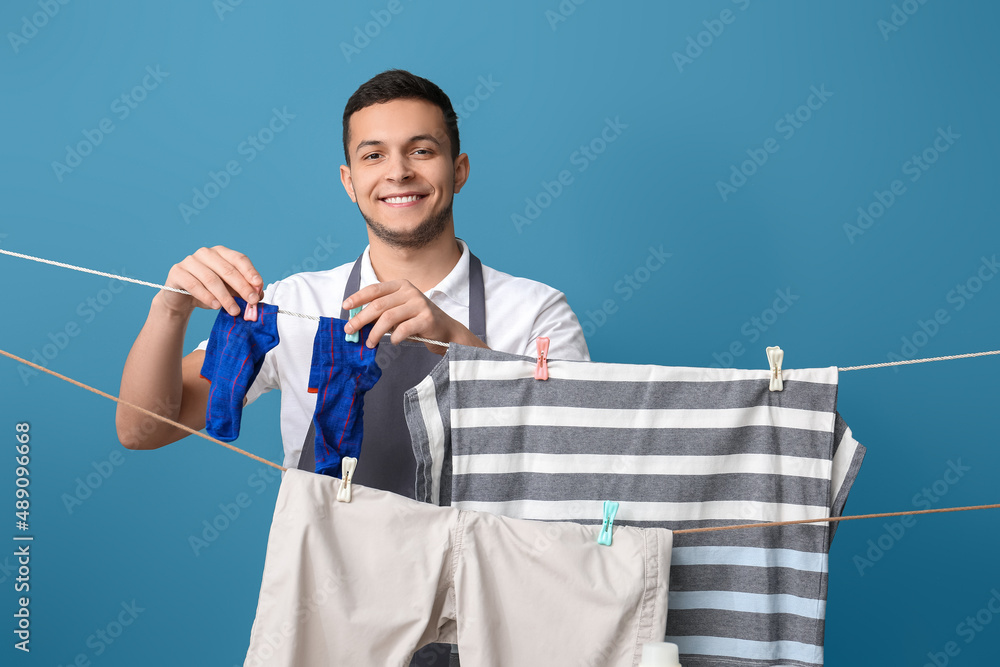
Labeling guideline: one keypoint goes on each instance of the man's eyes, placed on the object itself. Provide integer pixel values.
(421, 151)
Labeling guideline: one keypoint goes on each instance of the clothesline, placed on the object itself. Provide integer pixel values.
(146, 412)
(677, 532)
(315, 318)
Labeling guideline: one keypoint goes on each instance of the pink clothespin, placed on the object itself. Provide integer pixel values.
(250, 313)
(542, 369)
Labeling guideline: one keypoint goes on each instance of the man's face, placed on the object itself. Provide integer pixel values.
(402, 176)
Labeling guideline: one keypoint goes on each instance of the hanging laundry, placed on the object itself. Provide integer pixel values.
(676, 448)
(342, 371)
(235, 354)
(371, 581)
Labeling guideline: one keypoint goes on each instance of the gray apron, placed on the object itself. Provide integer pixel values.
(387, 461)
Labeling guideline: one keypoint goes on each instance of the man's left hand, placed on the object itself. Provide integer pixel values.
(397, 306)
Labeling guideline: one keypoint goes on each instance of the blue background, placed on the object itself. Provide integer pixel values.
(895, 596)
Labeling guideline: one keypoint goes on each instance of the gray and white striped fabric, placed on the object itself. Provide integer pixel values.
(677, 448)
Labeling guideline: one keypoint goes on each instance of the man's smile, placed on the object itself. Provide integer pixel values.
(403, 200)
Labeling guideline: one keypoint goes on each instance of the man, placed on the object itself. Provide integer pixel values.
(403, 168)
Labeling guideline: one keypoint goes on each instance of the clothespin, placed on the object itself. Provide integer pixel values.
(250, 313)
(610, 512)
(542, 369)
(347, 465)
(774, 358)
(353, 337)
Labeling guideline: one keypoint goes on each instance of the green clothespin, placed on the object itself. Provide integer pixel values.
(353, 337)
(610, 512)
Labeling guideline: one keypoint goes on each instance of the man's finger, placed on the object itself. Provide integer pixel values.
(213, 268)
(243, 264)
(370, 293)
(375, 313)
(389, 321)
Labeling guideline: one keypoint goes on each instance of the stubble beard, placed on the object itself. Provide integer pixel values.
(429, 229)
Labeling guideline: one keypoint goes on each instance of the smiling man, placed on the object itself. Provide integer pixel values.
(403, 169)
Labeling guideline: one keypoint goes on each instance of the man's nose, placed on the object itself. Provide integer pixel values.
(399, 169)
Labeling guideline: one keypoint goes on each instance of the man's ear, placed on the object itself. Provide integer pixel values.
(345, 178)
(461, 171)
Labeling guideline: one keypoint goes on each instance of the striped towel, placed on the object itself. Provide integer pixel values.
(677, 448)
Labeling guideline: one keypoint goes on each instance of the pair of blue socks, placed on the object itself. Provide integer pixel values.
(341, 373)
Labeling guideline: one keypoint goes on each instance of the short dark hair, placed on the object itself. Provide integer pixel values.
(398, 84)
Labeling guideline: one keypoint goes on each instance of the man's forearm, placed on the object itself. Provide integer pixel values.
(153, 379)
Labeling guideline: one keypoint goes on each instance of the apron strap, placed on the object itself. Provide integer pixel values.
(477, 298)
(307, 457)
(353, 285)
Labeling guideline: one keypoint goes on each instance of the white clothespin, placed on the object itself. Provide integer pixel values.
(774, 358)
(347, 465)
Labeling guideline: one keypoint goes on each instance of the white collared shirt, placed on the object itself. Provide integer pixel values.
(518, 311)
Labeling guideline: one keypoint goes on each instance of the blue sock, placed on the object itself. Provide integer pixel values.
(235, 353)
(341, 372)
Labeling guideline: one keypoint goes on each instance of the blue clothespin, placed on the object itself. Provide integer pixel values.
(353, 337)
(610, 512)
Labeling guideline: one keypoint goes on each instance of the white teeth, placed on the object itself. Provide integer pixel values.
(401, 200)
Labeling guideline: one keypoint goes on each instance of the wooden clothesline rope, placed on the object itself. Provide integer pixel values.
(143, 410)
(676, 532)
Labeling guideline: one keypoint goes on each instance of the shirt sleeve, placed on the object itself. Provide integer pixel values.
(267, 379)
(557, 321)
(427, 408)
(848, 454)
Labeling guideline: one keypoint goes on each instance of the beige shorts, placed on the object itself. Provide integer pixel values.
(369, 582)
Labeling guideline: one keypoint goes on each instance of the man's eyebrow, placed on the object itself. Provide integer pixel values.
(368, 142)
(425, 137)
(414, 138)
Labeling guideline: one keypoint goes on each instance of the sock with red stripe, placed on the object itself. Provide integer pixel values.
(341, 373)
(235, 354)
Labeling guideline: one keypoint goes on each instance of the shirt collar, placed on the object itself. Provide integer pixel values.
(455, 285)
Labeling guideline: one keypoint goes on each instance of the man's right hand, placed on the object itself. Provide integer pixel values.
(157, 375)
(212, 276)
